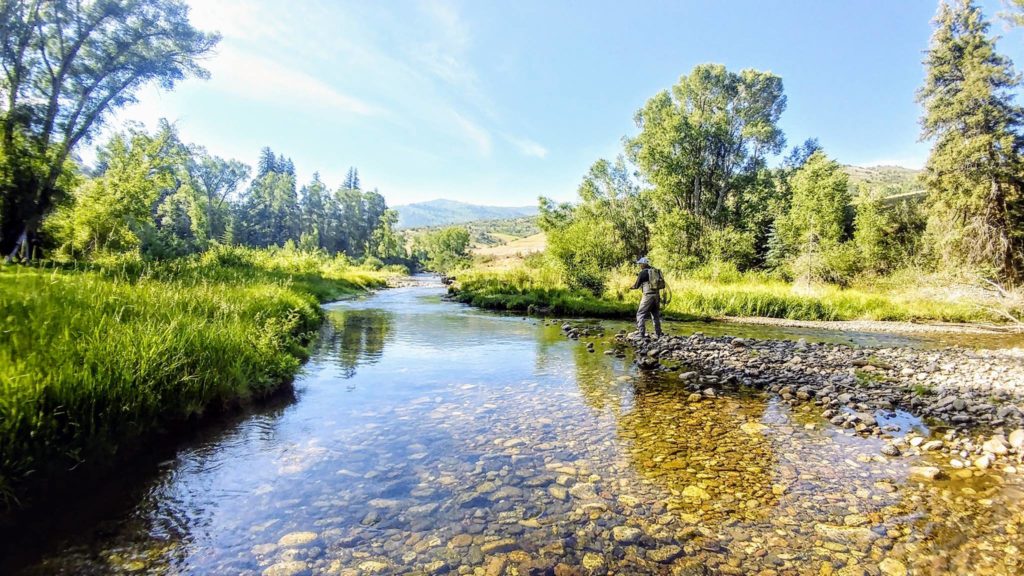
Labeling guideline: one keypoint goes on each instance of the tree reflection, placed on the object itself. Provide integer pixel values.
(356, 337)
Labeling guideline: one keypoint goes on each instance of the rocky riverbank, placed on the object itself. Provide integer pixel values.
(971, 399)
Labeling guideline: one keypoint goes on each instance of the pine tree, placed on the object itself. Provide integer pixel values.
(974, 170)
(267, 163)
(352, 179)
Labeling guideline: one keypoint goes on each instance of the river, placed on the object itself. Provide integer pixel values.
(425, 437)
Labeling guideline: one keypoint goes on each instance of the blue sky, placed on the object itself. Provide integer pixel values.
(499, 102)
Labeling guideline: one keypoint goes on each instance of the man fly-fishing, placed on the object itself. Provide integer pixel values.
(651, 282)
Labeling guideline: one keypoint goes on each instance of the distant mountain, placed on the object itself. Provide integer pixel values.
(891, 179)
(446, 212)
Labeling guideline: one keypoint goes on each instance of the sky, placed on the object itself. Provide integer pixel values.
(501, 102)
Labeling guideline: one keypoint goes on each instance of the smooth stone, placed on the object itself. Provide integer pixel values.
(558, 492)
(626, 534)
(925, 472)
(293, 568)
(753, 427)
(891, 450)
(849, 535)
(664, 554)
(995, 445)
(593, 561)
(296, 539)
(499, 546)
(1016, 439)
(695, 492)
(374, 567)
(892, 567)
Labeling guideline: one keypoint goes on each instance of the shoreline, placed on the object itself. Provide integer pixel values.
(880, 326)
(963, 404)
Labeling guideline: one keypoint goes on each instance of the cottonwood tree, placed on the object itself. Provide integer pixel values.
(974, 170)
(702, 141)
(65, 65)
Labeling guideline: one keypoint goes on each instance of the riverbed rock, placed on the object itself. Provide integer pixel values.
(664, 554)
(297, 539)
(499, 546)
(626, 534)
(892, 567)
(996, 445)
(925, 472)
(293, 568)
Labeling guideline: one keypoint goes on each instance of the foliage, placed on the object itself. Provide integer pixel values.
(66, 66)
(443, 250)
(818, 211)
(974, 170)
(157, 196)
(887, 232)
(702, 142)
(94, 361)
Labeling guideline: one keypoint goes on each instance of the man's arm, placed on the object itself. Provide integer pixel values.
(640, 279)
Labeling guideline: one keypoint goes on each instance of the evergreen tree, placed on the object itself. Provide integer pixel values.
(974, 170)
(352, 179)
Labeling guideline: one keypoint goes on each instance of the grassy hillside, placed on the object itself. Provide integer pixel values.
(892, 179)
(448, 212)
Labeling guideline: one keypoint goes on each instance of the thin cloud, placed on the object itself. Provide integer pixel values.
(480, 137)
(528, 147)
(259, 78)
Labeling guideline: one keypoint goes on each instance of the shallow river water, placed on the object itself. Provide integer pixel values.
(425, 437)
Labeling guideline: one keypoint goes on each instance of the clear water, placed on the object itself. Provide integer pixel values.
(425, 437)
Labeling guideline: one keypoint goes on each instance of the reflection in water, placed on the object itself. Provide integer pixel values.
(469, 442)
(354, 337)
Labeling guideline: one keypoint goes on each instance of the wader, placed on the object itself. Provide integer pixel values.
(650, 305)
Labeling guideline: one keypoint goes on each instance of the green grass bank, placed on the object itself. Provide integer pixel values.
(93, 360)
(709, 294)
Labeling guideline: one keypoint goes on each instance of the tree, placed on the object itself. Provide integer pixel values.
(702, 141)
(315, 204)
(610, 193)
(443, 250)
(352, 179)
(114, 212)
(215, 180)
(818, 212)
(1014, 13)
(974, 171)
(66, 64)
(385, 242)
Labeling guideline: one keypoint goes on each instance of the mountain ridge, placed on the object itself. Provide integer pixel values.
(443, 212)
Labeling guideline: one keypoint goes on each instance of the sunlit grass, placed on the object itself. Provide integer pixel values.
(710, 293)
(92, 360)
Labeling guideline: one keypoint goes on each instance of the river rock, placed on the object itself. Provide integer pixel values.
(752, 427)
(694, 492)
(664, 554)
(626, 534)
(924, 472)
(849, 535)
(293, 568)
(592, 561)
(890, 450)
(374, 567)
(297, 539)
(892, 567)
(558, 492)
(1016, 439)
(499, 546)
(996, 445)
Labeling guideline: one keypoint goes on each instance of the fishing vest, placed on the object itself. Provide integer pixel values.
(655, 281)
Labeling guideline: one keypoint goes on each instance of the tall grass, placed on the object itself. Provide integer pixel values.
(94, 359)
(708, 293)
